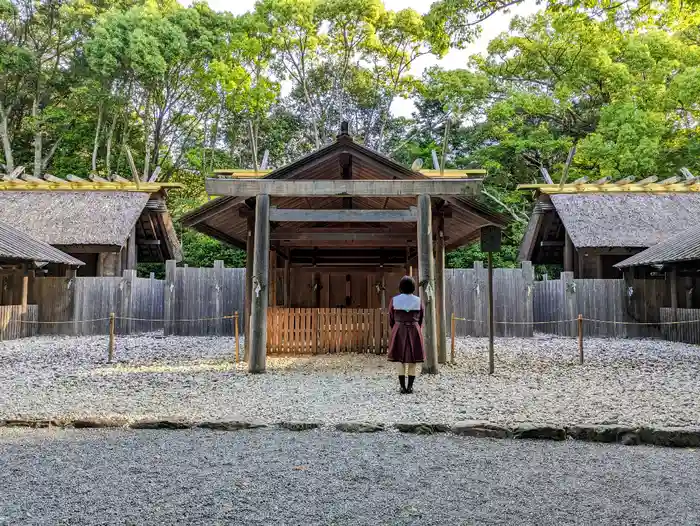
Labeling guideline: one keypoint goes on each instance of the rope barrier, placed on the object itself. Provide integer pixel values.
(612, 322)
(230, 317)
(125, 318)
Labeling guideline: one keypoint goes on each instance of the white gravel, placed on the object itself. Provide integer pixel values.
(263, 477)
(536, 380)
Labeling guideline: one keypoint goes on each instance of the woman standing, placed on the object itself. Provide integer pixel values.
(406, 341)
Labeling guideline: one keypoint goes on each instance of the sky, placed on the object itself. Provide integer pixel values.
(491, 28)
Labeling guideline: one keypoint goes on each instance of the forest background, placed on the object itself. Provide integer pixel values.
(189, 90)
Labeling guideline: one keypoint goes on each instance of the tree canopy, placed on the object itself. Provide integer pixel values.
(189, 90)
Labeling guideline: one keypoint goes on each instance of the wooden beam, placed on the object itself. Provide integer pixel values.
(261, 277)
(215, 208)
(398, 239)
(672, 185)
(342, 188)
(344, 216)
(426, 281)
(453, 173)
(74, 183)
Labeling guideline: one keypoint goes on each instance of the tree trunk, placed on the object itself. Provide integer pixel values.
(147, 142)
(108, 144)
(47, 159)
(312, 113)
(253, 145)
(37, 135)
(6, 145)
(96, 143)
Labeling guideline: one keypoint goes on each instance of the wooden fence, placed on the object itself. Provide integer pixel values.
(201, 301)
(680, 332)
(311, 331)
(556, 301)
(81, 306)
(18, 321)
(196, 300)
(466, 295)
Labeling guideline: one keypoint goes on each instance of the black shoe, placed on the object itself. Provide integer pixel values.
(409, 389)
(402, 382)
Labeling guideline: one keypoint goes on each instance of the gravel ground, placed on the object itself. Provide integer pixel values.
(325, 478)
(537, 380)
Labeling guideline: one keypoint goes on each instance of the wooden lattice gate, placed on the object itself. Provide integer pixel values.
(314, 331)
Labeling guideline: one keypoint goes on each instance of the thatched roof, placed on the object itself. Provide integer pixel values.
(18, 246)
(74, 218)
(625, 220)
(684, 246)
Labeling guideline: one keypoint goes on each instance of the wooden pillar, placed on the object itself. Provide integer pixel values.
(440, 293)
(272, 299)
(24, 297)
(260, 280)
(426, 281)
(382, 294)
(286, 282)
(600, 271)
(250, 245)
(673, 276)
(131, 254)
(316, 290)
(568, 254)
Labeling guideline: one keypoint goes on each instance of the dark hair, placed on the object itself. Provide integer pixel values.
(407, 285)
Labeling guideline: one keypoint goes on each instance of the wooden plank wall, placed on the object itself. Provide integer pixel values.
(94, 299)
(68, 305)
(197, 299)
(466, 294)
(682, 332)
(18, 321)
(147, 304)
(313, 331)
(55, 298)
(556, 301)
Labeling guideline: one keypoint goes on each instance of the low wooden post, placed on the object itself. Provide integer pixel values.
(452, 329)
(580, 339)
(235, 335)
(110, 347)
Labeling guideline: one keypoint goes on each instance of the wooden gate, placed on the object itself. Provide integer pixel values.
(313, 331)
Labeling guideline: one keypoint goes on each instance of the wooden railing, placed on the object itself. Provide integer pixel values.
(18, 321)
(313, 331)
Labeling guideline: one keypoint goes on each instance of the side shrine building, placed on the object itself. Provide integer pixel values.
(328, 238)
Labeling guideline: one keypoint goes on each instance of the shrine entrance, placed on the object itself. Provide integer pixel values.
(328, 238)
